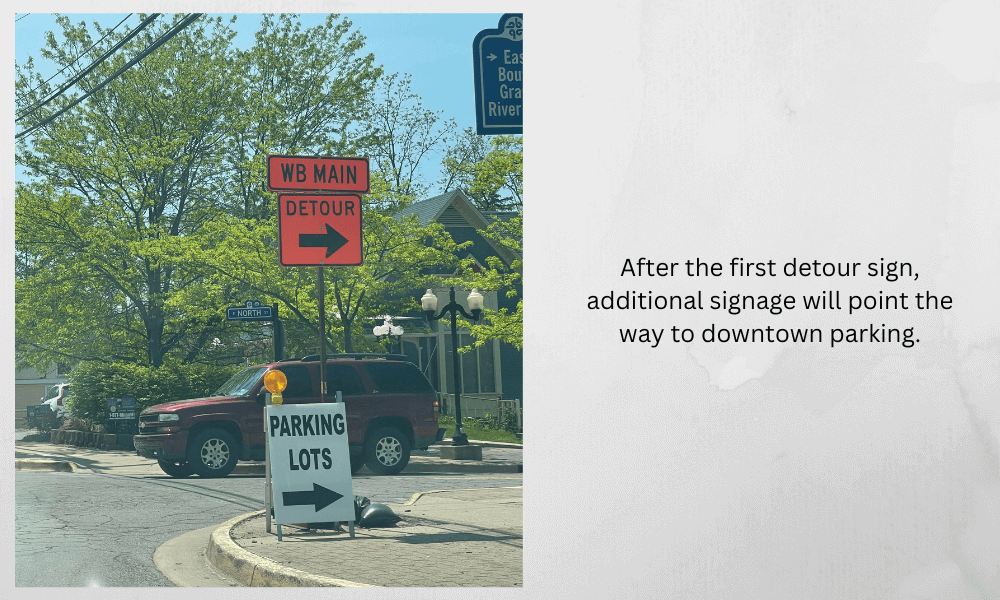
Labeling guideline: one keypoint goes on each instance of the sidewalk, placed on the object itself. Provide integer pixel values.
(447, 538)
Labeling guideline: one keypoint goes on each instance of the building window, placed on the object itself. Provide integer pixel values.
(422, 351)
(476, 367)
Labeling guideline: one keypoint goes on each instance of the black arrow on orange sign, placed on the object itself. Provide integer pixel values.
(331, 240)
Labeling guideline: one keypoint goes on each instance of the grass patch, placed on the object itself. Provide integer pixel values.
(483, 430)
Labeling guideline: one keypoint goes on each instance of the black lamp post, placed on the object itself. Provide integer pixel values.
(429, 304)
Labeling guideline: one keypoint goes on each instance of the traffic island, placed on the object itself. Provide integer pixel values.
(478, 533)
(469, 452)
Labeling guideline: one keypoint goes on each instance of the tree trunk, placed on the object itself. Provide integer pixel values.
(348, 342)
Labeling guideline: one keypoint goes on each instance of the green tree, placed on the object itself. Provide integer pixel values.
(131, 185)
(401, 133)
(490, 173)
(502, 324)
(304, 93)
(121, 181)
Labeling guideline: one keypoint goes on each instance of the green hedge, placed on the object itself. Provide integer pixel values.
(92, 383)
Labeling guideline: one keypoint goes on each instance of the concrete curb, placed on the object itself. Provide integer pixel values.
(251, 570)
(457, 467)
(447, 442)
(415, 497)
(44, 464)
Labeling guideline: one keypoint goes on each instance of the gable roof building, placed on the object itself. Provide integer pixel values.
(491, 371)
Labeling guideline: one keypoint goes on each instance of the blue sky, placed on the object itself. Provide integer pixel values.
(436, 49)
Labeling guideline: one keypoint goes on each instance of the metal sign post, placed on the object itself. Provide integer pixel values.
(321, 292)
(268, 499)
(340, 399)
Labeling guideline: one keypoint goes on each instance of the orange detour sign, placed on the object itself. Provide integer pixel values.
(317, 174)
(319, 230)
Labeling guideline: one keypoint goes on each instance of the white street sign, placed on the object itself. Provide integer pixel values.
(310, 463)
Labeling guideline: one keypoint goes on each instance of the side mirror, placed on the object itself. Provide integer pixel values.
(261, 398)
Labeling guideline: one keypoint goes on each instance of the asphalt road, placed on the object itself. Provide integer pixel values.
(100, 530)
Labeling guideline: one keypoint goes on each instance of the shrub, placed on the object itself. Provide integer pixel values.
(505, 422)
(93, 383)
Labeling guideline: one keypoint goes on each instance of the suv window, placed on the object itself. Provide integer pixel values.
(345, 379)
(299, 382)
(397, 377)
(241, 383)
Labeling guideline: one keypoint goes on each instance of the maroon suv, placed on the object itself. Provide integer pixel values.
(391, 408)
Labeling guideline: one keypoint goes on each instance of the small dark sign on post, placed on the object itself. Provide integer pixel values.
(122, 417)
(252, 310)
(40, 416)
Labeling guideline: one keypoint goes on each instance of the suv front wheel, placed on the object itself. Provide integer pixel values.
(175, 469)
(386, 451)
(212, 453)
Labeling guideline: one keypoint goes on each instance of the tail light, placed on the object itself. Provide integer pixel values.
(437, 406)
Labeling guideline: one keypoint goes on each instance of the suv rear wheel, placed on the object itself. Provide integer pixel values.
(175, 469)
(387, 451)
(212, 453)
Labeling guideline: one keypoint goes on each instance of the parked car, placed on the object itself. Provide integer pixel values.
(54, 401)
(56, 398)
(391, 408)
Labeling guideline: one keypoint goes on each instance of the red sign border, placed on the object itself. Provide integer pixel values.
(368, 183)
(361, 230)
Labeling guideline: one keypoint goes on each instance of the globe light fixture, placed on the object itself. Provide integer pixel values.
(389, 330)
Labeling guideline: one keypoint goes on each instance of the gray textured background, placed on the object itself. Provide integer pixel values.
(838, 131)
(769, 130)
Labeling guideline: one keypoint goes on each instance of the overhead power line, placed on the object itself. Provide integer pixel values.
(90, 68)
(79, 56)
(163, 39)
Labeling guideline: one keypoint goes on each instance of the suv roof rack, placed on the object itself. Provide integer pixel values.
(355, 356)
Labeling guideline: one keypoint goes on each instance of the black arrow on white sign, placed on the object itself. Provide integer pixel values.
(319, 496)
(331, 240)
